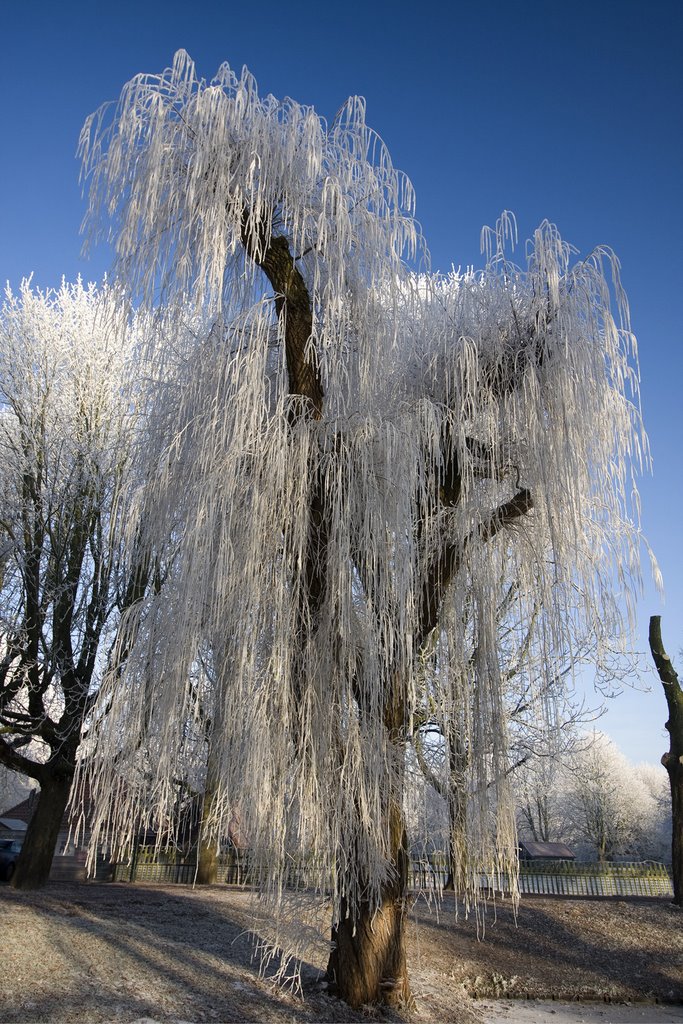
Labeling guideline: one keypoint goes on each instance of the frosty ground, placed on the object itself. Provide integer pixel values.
(72, 954)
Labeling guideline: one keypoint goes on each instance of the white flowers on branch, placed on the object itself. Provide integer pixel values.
(323, 505)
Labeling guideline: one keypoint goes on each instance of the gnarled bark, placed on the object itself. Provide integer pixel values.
(368, 962)
(673, 759)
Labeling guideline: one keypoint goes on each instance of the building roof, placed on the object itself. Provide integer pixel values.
(22, 812)
(549, 851)
(12, 824)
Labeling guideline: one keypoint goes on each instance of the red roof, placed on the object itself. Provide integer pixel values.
(24, 810)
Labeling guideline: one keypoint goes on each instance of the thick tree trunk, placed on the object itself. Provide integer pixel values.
(35, 860)
(207, 855)
(207, 863)
(457, 832)
(457, 814)
(675, 770)
(368, 963)
(673, 759)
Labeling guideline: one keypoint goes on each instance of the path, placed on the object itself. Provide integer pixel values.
(532, 1011)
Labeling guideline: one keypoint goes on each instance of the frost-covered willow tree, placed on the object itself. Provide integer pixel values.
(67, 488)
(348, 452)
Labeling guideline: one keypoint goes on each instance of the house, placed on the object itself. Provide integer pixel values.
(529, 850)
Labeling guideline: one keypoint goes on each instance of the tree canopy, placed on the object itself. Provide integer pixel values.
(67, 504)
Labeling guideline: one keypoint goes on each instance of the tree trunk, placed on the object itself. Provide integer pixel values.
(457, 814)
(675, 770)
(368, 962)
(673, 759)
(207, 863)
(35, 860)
(207, 855)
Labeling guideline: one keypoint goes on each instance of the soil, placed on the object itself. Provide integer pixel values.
(92, 953)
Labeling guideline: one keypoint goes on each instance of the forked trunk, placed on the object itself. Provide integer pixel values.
(368, 963)
(35, 860)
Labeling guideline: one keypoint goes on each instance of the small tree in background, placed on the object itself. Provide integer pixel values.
(358, 453)
(66, 453)
(656, 843)
(609, 804)
(543, 814)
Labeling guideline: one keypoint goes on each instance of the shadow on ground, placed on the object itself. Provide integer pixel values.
(118, 952)
(630, 949)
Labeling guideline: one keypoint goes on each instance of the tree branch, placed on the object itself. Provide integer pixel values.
(672, 691)
(292, 301)
(18, 763)
(448, 561)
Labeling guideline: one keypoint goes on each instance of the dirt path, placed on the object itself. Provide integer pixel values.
(511, 1011)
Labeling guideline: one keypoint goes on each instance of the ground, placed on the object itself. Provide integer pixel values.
(72, 954)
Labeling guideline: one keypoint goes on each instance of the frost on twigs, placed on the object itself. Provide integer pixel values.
(68, 433)
(471, 431)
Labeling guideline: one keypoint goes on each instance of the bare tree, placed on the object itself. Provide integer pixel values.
(355, 448)
(540, 717)
(66, 443)
(608, 803)
(673, 759)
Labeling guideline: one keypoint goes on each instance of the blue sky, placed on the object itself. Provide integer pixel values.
(570, 112)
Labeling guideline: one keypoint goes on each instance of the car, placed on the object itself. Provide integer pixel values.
(9, 854)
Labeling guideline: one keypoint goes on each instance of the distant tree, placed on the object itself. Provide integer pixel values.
(589, 795)
(66, 449)
(543, 814)
(673, 759)
(609, 805)
(656, 844)
(356, 448)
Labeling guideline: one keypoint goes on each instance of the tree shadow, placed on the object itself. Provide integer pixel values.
(184, 954)
(564, 955)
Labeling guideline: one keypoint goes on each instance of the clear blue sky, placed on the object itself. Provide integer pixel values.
(570, 112)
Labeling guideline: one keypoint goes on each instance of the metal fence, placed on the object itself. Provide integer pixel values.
(535, 878)
(148, 865)
(635, 879)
